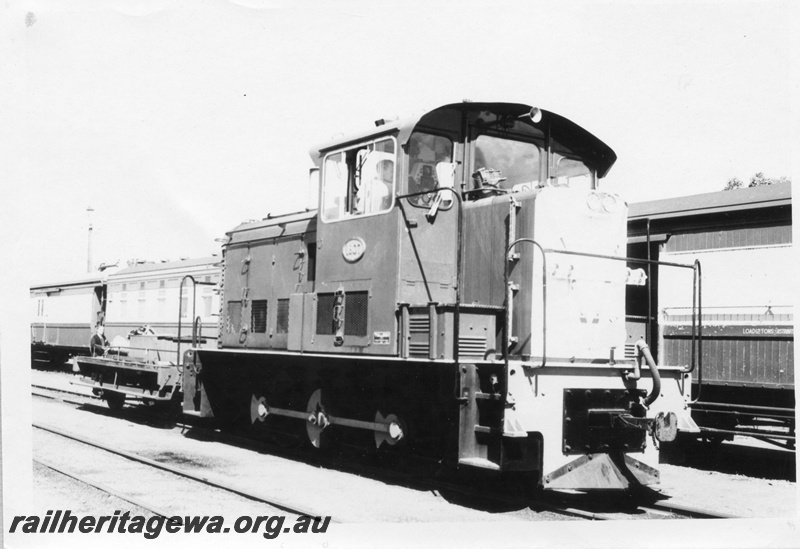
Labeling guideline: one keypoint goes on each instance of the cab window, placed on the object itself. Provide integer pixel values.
(513, 164)
(359, 181)
(573, 173)
(429, 157)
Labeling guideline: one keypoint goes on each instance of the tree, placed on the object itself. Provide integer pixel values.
(733, 183)
(758, 180)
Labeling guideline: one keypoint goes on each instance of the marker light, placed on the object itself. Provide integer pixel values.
(594, 201)
(610, 203)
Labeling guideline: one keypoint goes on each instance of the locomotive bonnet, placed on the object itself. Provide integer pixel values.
(458, 298)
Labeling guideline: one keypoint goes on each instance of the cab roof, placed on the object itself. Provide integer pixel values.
(564, 131)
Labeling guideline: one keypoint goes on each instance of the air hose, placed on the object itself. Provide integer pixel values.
(643, 351)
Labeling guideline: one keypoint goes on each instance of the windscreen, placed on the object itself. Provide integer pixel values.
(516, 161)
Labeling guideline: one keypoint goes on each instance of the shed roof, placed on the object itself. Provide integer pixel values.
(88, 279)
(750, 198)
(165, 266)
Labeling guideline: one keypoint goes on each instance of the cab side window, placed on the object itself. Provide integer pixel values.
(573, 173)
(359, 181)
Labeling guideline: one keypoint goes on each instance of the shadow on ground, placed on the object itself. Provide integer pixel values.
(732, 458)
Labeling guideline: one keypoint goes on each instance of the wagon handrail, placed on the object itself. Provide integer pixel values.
(180, 309)
(697, 294)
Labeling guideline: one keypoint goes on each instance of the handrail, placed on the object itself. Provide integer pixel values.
(180, 307)
(507, 301)
(697, 294)
(697, 328)
(649, 326)
(194, 308)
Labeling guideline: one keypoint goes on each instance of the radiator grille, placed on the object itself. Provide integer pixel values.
(474, 346)
(258, 316)
(419, 325)
(419, 329)
(356, 307)
(282, 326)
(419, 348)
(325, 314)
(355, 314)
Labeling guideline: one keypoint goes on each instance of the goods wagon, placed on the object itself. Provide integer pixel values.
(151, 310)
(743, 239)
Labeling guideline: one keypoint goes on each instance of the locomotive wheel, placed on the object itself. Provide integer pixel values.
(115, 401)
(316, 410)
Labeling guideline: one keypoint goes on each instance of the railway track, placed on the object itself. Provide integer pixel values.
(284, 506)
(61, 391)
(566, 505)
(103, 488)
(641, 507)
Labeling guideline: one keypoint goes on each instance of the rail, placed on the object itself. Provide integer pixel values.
(557, 502)
(103, 488)
(228, 487)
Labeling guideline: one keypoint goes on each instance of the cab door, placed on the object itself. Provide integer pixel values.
(428, 242)
(357, 251)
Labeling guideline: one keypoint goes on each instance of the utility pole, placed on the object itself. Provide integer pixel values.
(89, 211)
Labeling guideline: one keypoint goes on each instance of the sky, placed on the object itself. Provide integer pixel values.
(175, 121)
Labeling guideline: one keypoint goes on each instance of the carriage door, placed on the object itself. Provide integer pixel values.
(99, 304)
(357, 242)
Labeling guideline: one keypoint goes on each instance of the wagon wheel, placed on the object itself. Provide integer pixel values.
(713, 442)
(114, 400)
(170, 410)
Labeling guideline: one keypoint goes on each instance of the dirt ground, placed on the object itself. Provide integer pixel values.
(746, 479)
(350, 497)
(747, 485)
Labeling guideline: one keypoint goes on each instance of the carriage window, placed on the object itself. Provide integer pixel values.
(573, 173)
(516, 161)
(359, 181)
(426, 156)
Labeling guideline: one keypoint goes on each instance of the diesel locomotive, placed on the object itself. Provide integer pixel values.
(458, 296)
